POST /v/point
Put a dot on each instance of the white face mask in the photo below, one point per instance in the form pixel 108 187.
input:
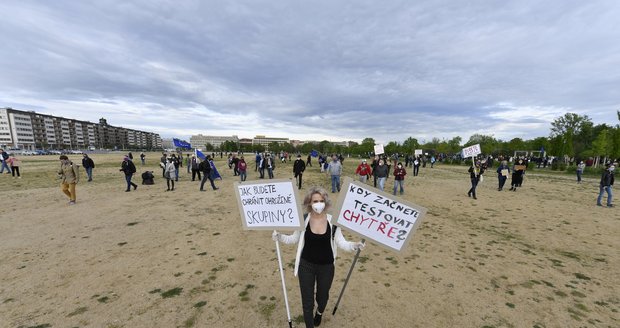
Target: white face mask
pixel 400 166
pixel 318 207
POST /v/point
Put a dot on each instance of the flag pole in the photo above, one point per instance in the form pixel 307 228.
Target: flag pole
pixel 357 255
pixel 288 311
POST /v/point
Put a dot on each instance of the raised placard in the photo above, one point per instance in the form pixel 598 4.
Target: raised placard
pixel 379 149
pixel 269 205
pixel 376 215
pixel 417 152
pixel 472 151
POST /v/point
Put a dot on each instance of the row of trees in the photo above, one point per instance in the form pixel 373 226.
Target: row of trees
pixel 572 135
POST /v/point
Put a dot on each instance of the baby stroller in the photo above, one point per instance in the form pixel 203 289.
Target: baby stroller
pixel 148 178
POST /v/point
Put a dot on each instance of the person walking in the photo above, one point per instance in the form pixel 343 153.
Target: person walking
pixel 129 169
pixel 502 174
pixel 269 164
pixel 309 160
pixel 607 181
pixel 317 247
pixel 373 165
pixel 298 169
pixel 193 163
pixel 4 156
pixel 143 158
pixel 334 169
pixel 580 167
pixel 207 173
pixel 363 171
pixel 170 173
pixel 88 164
pixel 69 178
pixel 416 166
pixel 257 160
pixel 242 167
pixel 518 171
pixel 14 163
pixel 163 160
pixel 475 171
pixel 381 173
pixel 399 178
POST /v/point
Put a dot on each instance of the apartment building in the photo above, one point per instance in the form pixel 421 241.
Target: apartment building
pixel 32 130
pixel 199 141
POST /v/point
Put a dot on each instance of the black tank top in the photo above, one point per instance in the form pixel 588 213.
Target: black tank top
pixel 317 248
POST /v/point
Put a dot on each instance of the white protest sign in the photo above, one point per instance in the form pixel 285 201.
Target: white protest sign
pixel 417 152
pixel 472 151
pixel 269 205
pixel 376 215
pixel 379 149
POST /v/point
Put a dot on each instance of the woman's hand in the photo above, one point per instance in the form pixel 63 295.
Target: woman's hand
pixel 359 246
pixel 275 236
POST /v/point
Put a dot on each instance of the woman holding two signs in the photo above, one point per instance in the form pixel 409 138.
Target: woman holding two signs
pixel 316 253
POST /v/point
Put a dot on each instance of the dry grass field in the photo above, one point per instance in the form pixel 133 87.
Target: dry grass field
pixel 544 256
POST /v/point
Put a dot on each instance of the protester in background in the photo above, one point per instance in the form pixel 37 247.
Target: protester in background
pixel 607 181
pixel 163 160
pixel 517 174
pixel 334 169
pixel 69 177
pixel 298 169
pixel 316 253
pixel 502 174
pixel 580 167
pixel 130 155
pixel 309 160
pixel 129 169
pixel 142 158
pixel 242 167
pixel 4 156
pixel 193 163
pixel 363 171
pixel 176 161
pixel 475 171
pixel 88 165
pixel 381 173
pixel 374 165
pixel 269 164
pixel 416 166
pixel 399 178
pixel 261 167
pixel 188 164
pixel 207 173
pixel 432 161
pixel 14 163
pixel 258 159
pixel 235 165
pixel 170 173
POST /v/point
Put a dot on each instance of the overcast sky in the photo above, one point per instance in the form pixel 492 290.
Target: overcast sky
pixel 314 70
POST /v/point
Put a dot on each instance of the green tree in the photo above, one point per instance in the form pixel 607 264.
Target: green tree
pixel 572 129
pixel 392 147
pixel 209 147
pixel 454 145
pixel 488 144
pixel 410 145
pixel 274 147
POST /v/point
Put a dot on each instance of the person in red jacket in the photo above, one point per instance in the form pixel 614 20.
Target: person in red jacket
pixel 399 178
pixel 363 171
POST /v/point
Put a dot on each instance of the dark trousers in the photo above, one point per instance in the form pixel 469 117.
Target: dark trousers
pixel 309 275
pixel 474 184
pixel 502 181
pixel 129 183
pixel 204 179
pixel 261 171
pixel 416 170
pixel 15 169
pixel 298 176
pixel 194 172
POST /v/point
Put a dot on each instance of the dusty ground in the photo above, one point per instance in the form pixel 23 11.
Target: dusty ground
pixel 544 256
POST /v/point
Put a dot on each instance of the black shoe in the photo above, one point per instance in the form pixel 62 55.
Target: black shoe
pixel 216 188
pixel 135 187
pixel 610 205
pixel 599 204
pixel 469 194
pixel 317 319
pixel 475 197
pixel 127 190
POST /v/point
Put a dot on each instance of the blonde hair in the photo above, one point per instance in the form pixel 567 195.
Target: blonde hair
pixel 316 190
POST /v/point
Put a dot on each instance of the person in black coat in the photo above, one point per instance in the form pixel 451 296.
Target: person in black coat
pixel 205 167
pixel 474 176
pixel 298 169
pixel 88 165
pixel 129 169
